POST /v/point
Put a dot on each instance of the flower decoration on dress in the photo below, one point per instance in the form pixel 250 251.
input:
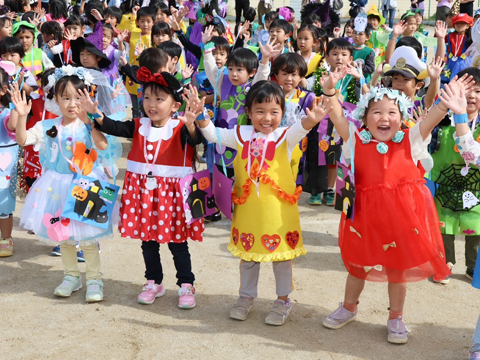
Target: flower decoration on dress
pixel 398 137
pixel 366 136
pixel 382 148
pixel 69 70
pixel 403 102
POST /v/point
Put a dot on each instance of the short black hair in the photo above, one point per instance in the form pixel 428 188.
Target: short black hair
pixel 281 24
pixel 11 45
pixel 311 29
pixel 161 28
pixel 290 62
pixel 243 57
pixel 271 16
pixel 153 59
pixel 23 28
pixel 471 71
pixel 113 11
pixel 53 28
pixel 107 26
pixel 368 29
pixel 350 24
pixel 311 18
pixel 265 91
pixel 4 20
pixel 62 84
pixel 162 7
pixel 412 42
pixel 58 9
pixel 93 5
pixel 171 49
pixel 221 43
pixel 146 12
pixel 174 88
pixel 74 20
pixel 28 15
pixel 219 28
pixel 374 16
pixel 250 14
pixel 341 44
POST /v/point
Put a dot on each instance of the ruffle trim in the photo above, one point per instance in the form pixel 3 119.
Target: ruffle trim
pixel 87 242
pixel 264 179
pixel 281 256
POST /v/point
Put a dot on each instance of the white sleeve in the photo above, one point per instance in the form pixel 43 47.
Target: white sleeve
pixel 263 72
pixel 311 83
pixel 226 135
pixel 211 70
pixel 47 63
pixel 349 144
pixel 35 135
pixel 117 54
pixel 30 80
pixel 468 147
pixel 57 49
pixel 419 148
pixel 295 133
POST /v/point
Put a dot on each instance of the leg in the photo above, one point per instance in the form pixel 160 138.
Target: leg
pixel 69 260
pixel 92 260
pixel 153 265
pixel 449 244
pixel 249 274
pixel 471 250
pixel 397 331
pixel 392 17
pixel 182 261
pixel 6 226
pixel 283 278
pixel 353 290
pixel 238 11
pixel 332 176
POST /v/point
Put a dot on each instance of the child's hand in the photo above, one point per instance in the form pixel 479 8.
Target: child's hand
pixel 194 106
pixel 187 72
pixel 95 13
pixel 336 32
pixel 174 24
pixel 295 25
pixel 37 19
pixel 135 10
pixel 453 96
pixel 139 48
pixel 440 29
pixel 435 68
pixel 182 13
pixel 121 36
pixel 22 107
pixel 379 69
pixel 333 78
pixel 268 49
pixel 207 34
pixel 69 35
pixel 118 89
pixel 51 43
pixel 85 102
pixel 123 60
pixel 419 114
pixel 399 28
pixel 467 81
pixel 243 28
pixel 320 108
pixel 353 70
pixel 383 26
pixel 11 15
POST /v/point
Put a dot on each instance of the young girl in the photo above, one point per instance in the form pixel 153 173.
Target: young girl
pixel 57 11
pixel 388 165
pixel 151 208
pixel 62 140
pixel 266 223
pixel 5 27
pixel 52 34
pixel 161 32
pixel 348 31
pixel 307 39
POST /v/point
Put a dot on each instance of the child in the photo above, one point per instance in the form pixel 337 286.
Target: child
pixel 35 60
pixel 348 31
pixel 379 38
pixel 8 176
pixel 388 165
pixel 152 202
pixel 113 15
pixel 454 217
pixel 161 32
pixel 52 34
pixel 44 203
pixel 57 11
pixel 363 55
pixel 5 27
pixel 264 34
pixel 280 33
pixel 307 39
pixel 266 223
pixel 174 52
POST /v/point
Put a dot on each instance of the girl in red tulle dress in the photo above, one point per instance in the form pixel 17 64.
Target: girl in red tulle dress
pixel 393 232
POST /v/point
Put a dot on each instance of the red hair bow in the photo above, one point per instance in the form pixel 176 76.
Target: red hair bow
pixel 144 75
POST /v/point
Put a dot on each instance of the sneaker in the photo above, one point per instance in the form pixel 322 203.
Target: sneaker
pixel 241 308
pixel 80 256
pixel 56 251
pixel 150 292
pixel 475 352
pixel 339 318
pixel 329 197
pixel 315 200
pixel 6 247
pixel 215 217
pixel 397 331
pixel 68 286
pixel 94 290
pixel 469 273
pixel 187 297
pixel 279 313
pixel 447 279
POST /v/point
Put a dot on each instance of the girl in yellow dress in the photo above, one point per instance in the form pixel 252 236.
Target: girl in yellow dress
pixel 266 223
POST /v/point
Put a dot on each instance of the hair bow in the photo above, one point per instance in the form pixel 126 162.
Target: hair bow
pixel 144 75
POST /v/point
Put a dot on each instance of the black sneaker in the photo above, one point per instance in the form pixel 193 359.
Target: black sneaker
pixel 215 217
pixel 469 274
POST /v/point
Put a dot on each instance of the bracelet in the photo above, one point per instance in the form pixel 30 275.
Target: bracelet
pixel 210 46
pixel 460 118
pixel 335 93
pixel 187 81
pixel 94 116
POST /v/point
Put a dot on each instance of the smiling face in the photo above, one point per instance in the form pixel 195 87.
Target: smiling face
pixel 158 105
pixel 288 81
pixel 338 57
pixel 26 37
pixel 265 116
pixel 145 23
pixel 473 99
pixel 66 101
pixel 374 21
pixel 88 59
pixel 383 119
pixel 305 41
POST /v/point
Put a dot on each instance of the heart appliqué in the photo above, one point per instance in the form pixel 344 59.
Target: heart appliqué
pixel 292 239
pixel 235 235
pixel 65 222
pixel 247 241
pixel 5 160
pixel 271 243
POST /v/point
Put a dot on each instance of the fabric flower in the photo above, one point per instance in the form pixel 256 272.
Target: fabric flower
pixel 68 70
pixel 88 78
pixel 468 156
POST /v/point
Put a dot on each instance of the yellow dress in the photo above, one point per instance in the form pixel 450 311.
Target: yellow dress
pixel 265 227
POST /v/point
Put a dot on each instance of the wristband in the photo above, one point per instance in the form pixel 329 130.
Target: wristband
pixel 460 119
pixel 210 46
pixel 327 95
pixel 95 116
pixel 187 81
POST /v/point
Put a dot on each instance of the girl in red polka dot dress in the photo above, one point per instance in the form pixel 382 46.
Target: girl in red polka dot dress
pixel 151 208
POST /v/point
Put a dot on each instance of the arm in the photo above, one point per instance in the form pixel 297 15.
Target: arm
pixel 211 70
pixel 46 62
pixel 434 71
pixel 18 117
pixel 398 30
pixel 440 33
pixel 188 45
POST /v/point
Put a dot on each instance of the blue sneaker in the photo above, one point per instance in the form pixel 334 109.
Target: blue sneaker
pixel 56 251
pixel 80 256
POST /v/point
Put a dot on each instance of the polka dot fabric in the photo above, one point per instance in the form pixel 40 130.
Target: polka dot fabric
pixel 155 214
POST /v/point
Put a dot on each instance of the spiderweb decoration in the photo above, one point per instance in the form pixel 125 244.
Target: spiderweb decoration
pixel 452 186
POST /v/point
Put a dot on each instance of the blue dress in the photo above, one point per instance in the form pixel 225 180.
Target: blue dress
pixel 8 166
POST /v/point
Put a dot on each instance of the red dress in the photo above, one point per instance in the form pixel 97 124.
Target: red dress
pixel 157 215
pixel 395 234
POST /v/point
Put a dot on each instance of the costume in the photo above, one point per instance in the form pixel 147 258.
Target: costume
pixel 378 245
pixel 456 57
pixel 8 166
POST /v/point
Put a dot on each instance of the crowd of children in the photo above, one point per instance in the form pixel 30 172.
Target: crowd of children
pixel 360 120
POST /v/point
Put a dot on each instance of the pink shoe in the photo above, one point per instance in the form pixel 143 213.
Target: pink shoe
pixel 187 296
pixel 150 291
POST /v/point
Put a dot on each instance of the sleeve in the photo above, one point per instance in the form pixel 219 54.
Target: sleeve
pixel 117 54
pixel 311 83
pixel 239 43
pixel 369 67
pixel 419 148
pixel 46 62
pixel 468 147
pixel 383 37
pixel 188 45
pixel 295 133
pixel 30 80
pixel 349 144
pixel 124 129
pixel 57 49
pixel 211 70
pixel 191 141
pixel 263 73
pixel 35 135
pixel 226 135
pixel 426 41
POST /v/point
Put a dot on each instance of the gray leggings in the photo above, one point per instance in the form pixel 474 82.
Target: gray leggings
pixel 250 271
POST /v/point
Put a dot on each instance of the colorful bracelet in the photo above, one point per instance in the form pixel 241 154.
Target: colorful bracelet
pixel 210 46
pixel 460 118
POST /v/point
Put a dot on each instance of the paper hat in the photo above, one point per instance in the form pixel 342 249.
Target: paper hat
pixel 405 62
pixel 26 24
pixel 360 22
pixel 373 11
pixel 286 13
pixel 462 18
pixel 94 44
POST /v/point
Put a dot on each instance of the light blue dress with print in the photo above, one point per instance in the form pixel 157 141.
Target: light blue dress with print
pixel 8 166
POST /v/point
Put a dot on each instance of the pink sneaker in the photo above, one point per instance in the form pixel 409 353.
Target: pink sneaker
pixel 187 296
pixel 150 291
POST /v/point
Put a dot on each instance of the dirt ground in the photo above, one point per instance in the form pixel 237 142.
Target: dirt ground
pixel 36 324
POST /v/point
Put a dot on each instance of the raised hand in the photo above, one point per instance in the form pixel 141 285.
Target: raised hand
pixel 379 69
pixel 194 106
pixel 123 60
pixel 174 24
pixel 187 72
pixel 453 96
pixel 440 29
pixel 135 10
pixel 11 15
pixel 353 70
pixel 334 77
pixel 419 114
pixel 69 35
pixel 207 34
pixel 243 28
pixel 182 13
pixel 37 19
pixel 268 49
pixel 122 35
pixel 336 32
pixel 435 68
pixel 96 14
pixel 467 81
pixel 85 102
pixel 22 107
pixel 51 43
pixel 320 108
pixel 139 48
pixel 399 28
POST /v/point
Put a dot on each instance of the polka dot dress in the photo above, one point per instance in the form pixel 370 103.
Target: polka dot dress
pixel 155 215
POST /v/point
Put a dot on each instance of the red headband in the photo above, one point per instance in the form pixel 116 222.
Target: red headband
pixel 144 75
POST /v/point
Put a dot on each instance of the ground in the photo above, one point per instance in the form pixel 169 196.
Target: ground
pixel 36 324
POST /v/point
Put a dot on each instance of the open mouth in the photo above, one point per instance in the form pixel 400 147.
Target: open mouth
pixel 383 129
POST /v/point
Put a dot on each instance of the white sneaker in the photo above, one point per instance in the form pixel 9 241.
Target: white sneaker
pixel 68 285
pixel 94 290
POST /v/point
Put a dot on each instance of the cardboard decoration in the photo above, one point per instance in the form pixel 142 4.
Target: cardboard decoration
pixel 222 190
pixel 345 191
pixel 197 196
pixel 90 201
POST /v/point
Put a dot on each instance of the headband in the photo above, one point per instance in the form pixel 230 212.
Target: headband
pixel 69 70
pixel 403 102
pixel 145 76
